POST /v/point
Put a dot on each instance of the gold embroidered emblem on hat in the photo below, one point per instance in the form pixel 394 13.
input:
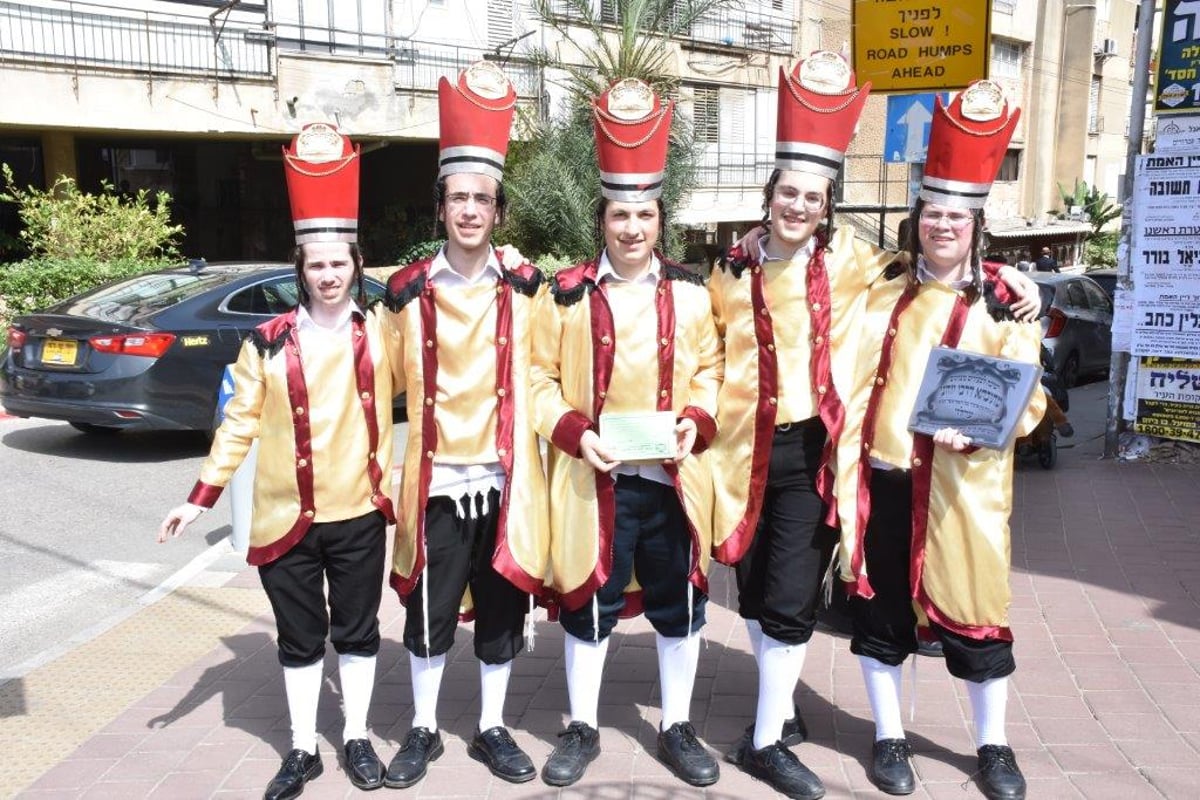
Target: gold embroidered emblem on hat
pixel 629 100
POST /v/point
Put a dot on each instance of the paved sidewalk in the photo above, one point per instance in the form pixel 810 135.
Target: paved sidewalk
pixel 185 698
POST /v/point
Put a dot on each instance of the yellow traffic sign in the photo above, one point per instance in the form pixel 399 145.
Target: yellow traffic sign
pixel 921 45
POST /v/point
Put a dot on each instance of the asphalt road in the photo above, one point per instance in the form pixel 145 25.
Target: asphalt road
pixel 77 532
pixel 78 526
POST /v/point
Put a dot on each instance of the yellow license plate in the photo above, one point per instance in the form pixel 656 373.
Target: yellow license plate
pixel 60 352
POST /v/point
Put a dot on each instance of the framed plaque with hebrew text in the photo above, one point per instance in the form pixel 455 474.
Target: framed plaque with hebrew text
pixel 981 396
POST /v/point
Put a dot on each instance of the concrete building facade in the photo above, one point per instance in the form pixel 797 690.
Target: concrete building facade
pixel 197 96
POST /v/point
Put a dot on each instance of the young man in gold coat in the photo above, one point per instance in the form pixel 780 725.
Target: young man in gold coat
pixel 314 386
pixel 925 537
pixel 472 534
pixel 628 333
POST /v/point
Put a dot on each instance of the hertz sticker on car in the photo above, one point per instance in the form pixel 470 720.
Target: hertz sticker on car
pixel 194 341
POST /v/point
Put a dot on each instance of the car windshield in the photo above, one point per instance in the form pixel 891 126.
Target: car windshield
pixel 128 299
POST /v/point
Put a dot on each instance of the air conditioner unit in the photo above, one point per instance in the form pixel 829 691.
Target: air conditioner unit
pixel 1108 47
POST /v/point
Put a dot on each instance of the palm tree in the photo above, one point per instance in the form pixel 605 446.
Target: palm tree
pixel 552 176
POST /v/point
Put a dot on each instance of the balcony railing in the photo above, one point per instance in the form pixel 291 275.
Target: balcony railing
pixel 419 66
pixel 717 167
pixel 101 37
pixel 744 26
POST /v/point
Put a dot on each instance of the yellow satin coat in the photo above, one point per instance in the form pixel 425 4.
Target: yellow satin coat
pixel 261 408
pixel 967 547
pixel 852 264
pixel 563 385
pixel 464 408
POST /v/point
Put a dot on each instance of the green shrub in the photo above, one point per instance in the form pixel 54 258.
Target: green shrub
pixel 35 283
pixel 63 222
pixel 1100 252
pixel 418 250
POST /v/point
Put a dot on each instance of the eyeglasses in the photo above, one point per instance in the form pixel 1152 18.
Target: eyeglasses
pixel 459 199
pixel 955 219
pixel 813 201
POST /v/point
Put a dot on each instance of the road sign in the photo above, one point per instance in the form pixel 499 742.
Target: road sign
pixel 919 45
pixel 908 118
pixel 1178 85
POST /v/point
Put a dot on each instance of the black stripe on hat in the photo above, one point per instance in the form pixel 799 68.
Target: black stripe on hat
pixel 472 160
pixel 784 155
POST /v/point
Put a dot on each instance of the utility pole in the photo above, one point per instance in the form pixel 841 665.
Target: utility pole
pixel 1118 367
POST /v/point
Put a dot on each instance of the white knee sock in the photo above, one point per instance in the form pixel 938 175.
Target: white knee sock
pixel 303 687
pixel 493 687
pixel 754 629
pixel 989 702
pixel 779 668
pixel 585 671
pixel 883 690
pixel 677 660
pixel 357 675
pixel 426 683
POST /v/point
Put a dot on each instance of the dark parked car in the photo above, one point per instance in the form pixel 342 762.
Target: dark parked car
pixel 1077 331
pixel 143 353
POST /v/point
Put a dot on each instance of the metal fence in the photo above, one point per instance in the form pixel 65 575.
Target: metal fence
pixel 82 34
pixel 717 167
pixel 419 66
pixel 744 26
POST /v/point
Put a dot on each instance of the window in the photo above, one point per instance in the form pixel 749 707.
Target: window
pixel 1097 298
pixel 1076 298
pixel 706 113
pixel 1095 124
pixel 1010 167
pixel 269 297
pixel 1007 58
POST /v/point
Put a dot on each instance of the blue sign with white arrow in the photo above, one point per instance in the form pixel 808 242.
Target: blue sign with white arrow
pixel 908 118
pixel 225 390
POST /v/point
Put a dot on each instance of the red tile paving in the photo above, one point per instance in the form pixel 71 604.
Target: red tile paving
pixel 1105 702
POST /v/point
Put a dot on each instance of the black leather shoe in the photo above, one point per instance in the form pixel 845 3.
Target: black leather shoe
pixel 578 746
pixel 999 776
pixel 297 769
pixel 503 757
pixel 794 733
pixel 412 760
pixel 362 765
pixel 680 750
pixel 779 768
pixel 890 769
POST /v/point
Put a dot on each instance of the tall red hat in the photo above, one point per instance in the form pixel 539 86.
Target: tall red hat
pixel 819 106
pixel 476 116
pixel 633 126
pixel 322 168
pixel 967 142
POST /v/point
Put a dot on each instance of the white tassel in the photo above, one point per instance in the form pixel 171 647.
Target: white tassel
pixel 912 700
pixel 530 628
pixel 691 588
pixel 827 582
pixel 483 503
pixel 425 604
pixel 595 619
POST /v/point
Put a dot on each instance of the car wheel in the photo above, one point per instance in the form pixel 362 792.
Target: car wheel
pixel 1069 375
pixel 95 430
